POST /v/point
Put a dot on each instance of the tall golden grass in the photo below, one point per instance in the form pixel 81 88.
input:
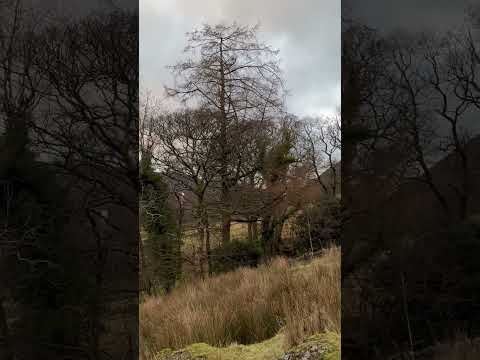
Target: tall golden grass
pixel 246 306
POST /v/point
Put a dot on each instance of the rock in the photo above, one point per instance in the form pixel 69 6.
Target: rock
pixel 306 355
pixel 317 347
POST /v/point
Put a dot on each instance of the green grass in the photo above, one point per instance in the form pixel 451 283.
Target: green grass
pixel 270 349
pixel 267 350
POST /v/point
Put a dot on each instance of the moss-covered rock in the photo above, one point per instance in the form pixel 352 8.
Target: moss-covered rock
pixel 318 347
pixel 267 350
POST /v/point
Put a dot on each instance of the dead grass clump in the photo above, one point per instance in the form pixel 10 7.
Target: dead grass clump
pixel 315 305
pixel 246 306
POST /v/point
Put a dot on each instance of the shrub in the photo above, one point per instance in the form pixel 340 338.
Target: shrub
pixel 321 223
pixel 441 277
pixel 160 260
pixel 235 254
pixel 461 348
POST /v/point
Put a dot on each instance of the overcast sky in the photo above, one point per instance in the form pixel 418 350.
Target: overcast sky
pixel 307 33
pixel 414 15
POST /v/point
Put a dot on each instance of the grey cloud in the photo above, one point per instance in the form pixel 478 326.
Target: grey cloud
pixel 77 8
pixel 409 14
pixel 414 16
pixel 306 32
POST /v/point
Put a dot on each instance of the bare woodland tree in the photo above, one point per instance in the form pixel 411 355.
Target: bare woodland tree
pixel 68 102
pixel 80 63
pixel 186 154
pixel 20 92
pixel 239 79
pixel 87 127
pixel 321 142
pixel 410 140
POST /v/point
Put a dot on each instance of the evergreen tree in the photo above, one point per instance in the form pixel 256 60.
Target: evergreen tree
pixel 160 247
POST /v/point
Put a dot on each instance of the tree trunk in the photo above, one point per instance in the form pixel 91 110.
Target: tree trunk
pixel 141 253
pixel 7 347
pixel 309 232
pixel 252 225
pixel 250 230
pixel 226 225
pixel 267 236
pixel 278 229
pixel 226 216
pixel 181 215
pixel 178 245
pixel 206 224
pixel 96 297
pixel 201 239
pixel 95 319
pixel 97 301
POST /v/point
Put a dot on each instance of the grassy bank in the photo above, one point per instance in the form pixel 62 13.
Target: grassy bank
pixel 247 306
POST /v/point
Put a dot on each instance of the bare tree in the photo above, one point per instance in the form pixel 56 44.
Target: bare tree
pixel 20 93
pixel 430 91
pixel 21 85
pixel 83 130
pixel 453 77
pixel 186 154
pixel 321 142
pixel 93 100
pixel 239 79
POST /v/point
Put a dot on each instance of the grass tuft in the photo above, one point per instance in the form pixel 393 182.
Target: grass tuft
pixel 246 306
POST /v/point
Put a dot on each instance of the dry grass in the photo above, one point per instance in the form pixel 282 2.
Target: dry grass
pixel 315 303
pixel 461 348
pixel 246 306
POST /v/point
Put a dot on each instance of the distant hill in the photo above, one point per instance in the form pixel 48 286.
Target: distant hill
pixel 385 209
